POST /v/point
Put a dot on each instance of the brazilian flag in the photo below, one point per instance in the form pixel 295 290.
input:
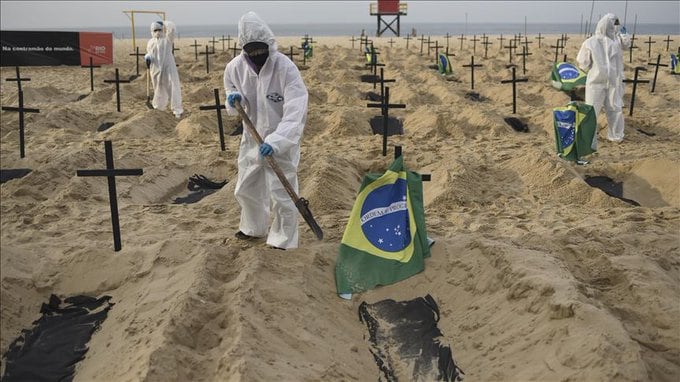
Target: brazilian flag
pixel 566 76
pixel 385 239
pixel 675 68
pixel 443 64
pixel 307 49
pixel 369 55
pixel 575 127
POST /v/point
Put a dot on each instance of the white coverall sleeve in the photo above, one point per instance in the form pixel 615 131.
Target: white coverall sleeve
pixel 170 31
pixel 230 88
pixel 289 131
pixel 625 40
pixel 583 58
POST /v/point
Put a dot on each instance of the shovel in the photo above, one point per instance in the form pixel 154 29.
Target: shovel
pixel 301 203
pixel 148 87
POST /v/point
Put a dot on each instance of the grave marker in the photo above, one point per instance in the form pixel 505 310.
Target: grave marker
pixel 630 50
pixel 385 106
pixel 21 110
pixel 539 38
pixel 195 45
pixel 408 37
pixel 174 50
pixel 448 36
pixel 486 44
pixel 391 42
pixel 635 81
pixel 117 81
pixel 234 50
pixel 207 54
pixel 291 54
pixel 111 173
pixel 18 79
pixel 668 42
pixel 137 54
pixel 501 42
pixel 514 81
pixel 510 48
pixel 656 70
pixel 422 40
pixel 353 39
pixel 557 48
pixel 218 106
pixel 472 67
pixel 461 38
pixel 212 42
pixel 91 66
pixel 649 46
pixel 474 40
pixel 228 40
pixel 524 55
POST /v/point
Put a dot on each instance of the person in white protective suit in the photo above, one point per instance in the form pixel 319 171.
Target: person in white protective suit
pixel 161 64
pixel 270 89
pixel 602 57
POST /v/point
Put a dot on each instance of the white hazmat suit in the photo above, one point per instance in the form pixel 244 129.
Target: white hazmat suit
pixel 275 100
pixel 602 57
pixel 164 75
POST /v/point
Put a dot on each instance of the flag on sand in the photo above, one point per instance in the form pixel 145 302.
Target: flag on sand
pixel 566 76
pixel 575 127
pixel 385 239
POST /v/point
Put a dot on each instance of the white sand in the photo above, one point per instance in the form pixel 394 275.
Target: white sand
pixel 538 275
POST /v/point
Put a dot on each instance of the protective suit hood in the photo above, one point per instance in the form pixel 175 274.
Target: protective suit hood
pixel 606 27
pixel 252 28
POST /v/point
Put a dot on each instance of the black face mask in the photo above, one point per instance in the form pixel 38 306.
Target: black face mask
pixel 258 52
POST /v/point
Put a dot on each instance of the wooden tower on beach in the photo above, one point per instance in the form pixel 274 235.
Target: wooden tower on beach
pixel 389 8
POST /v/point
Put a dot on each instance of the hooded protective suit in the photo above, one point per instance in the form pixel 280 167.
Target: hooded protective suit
pixel 602 57
pixel 276 102
pixel 164 75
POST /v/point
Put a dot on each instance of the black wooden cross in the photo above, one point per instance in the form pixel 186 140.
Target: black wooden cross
pixel 212 42
pixel 111 173
pixel 486 44
pixel 308 39
pixel 385 106
pixel 382 83
pixel 207 60
pixel 422 40
pixel 21 110
pixel 635 81
pixel 234 50
pixel 514 81
pixel 472 67
pixel 668 42
pixel 649 46
pixel 195 45
pixel 137 55
pixel 461 38
pixel 429 45
pixel 391 42
pixel 117 81
pixel 18 79
pixel 474 44
pixel 656 70
pixel 501 42
pixel 632 46
pixel 436 52
pixel 91 66
pixel 353 39
pixel 557 48
pixel 448 37
pixel 510 48
pixel 564 39
pixel 408 37
pixel 364 42
pixel 539 38
pixel 304 56
pixel 174 49
pixel 524 54
pixel 527 42
pixel 228 40
pixel 374 64
pixel 291 54
pixel 218 106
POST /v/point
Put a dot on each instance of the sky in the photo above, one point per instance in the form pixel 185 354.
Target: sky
pixel 74 14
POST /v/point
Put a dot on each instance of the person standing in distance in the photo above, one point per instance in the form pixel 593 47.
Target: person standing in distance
pixel 271 91
pixel 602 57
pixel 161 64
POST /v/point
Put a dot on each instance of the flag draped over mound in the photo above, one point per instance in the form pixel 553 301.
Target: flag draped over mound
pixel 385 239
pixel 443 64
pixel 575 127
pixel 566 76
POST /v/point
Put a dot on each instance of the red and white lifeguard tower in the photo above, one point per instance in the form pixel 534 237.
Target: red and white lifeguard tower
pixel 392 8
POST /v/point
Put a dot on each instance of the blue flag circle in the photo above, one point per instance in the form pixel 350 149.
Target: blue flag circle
pixel 385 217
pixel 568 71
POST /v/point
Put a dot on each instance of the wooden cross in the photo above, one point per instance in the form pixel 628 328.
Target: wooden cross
pixel 514 81
pixel 668 42
pixel 195 45
pixel 564 39
pixel 527 42
pixel 408 37
pixel 304 56
pixel 91 66
pixel 385 106
pixel 207 53
pixel 448 36
pixel 656 70
pixel 218 106
pixel 234 50
pixel 382 83
pixel 539 38
pixel 461 38
pixel 649 46
pixel 308 39
pixel 364 42
pixel 635 81
pixel 21 110
pixel 111 173
pixel 18 79
pixel 137 55
pixel 557 48
pixel 632 46
pixel 429 45
pixel 174 49
pixel 374 64
pixel 291 54
pixel 501 42
pixel 524 55
pixel 486 44
pixel 228 40
pixel 422 40
pixel 353 39
pixel 391 42
pixel 474 43
pixel 436 51
pixel 213 42
pixel 510 48
pixel 397 154
pixel 472 67
pixel 117 81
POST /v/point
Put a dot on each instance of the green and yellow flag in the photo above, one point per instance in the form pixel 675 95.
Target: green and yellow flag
pixel 385 240
pixel 565 76
pixel 575 127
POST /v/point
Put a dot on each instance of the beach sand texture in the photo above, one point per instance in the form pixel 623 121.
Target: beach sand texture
pixel 538 275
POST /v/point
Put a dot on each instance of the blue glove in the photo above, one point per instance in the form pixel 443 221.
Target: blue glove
pixel 147 59
pixel 266 149
pixel 232 98
pixel 623 30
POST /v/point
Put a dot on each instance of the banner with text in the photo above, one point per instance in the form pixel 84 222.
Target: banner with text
pixel 32 48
